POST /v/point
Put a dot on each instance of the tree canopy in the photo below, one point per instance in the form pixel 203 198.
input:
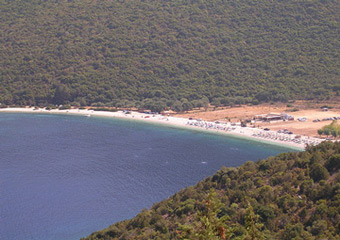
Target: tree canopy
pixel 330 129
pixel 119 53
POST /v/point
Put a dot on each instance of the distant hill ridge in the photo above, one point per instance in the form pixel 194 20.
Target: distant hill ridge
pixel 158 54
pixel 290 196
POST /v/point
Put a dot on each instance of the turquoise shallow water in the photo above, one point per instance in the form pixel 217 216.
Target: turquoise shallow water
pixel 63 177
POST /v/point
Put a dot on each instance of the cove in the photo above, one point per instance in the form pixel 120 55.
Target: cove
pixel 64 177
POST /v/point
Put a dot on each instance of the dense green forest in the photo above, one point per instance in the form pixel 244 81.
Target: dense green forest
pixel 290 196
pixel 159 54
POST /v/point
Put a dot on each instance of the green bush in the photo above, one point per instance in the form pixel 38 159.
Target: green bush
pixel 318 172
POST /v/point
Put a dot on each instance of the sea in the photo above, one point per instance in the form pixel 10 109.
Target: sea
pixel 63 177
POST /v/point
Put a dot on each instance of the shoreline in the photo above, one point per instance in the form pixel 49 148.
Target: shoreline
pixel 253 134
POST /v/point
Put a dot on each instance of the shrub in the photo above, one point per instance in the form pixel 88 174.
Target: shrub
pixel 318 172
pixel 333 163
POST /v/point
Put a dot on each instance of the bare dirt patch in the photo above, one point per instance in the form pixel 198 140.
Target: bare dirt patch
pixel 311 111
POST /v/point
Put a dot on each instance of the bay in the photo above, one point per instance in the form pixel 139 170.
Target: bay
pixel 63 177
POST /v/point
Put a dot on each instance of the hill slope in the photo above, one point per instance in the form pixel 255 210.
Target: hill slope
pixel 123 52
pixel 290 196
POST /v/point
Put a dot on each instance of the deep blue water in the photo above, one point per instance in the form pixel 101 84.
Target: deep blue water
pixel 63 177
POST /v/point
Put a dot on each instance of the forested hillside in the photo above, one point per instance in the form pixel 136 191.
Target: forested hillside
pixel 168 53
pixel 290 196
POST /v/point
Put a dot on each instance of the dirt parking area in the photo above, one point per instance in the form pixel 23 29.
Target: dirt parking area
pixel 309 110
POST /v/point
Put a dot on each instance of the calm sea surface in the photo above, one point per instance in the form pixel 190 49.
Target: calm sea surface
pixel 63 177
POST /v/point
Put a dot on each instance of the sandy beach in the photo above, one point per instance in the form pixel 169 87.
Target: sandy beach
pixel 312 111
pixel 297 142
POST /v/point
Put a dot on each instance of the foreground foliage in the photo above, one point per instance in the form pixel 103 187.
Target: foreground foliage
pixel 158 54
pixel 290 196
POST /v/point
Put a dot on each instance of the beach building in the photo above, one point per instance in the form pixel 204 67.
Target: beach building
pixel 268 117
pixel 260 117
pixel 273 117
